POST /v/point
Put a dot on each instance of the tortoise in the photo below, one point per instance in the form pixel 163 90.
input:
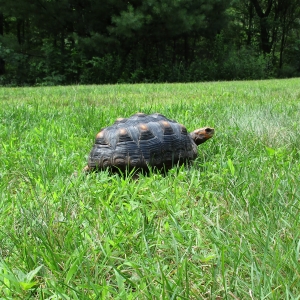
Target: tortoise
pixel 145 140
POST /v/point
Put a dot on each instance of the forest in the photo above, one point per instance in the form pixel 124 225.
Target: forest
pixel 60 42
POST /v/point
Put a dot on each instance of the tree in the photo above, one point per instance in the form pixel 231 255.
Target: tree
pixel 271 24
pixel 267 26
pixel 288 12
pixel 175 25
pixel 91 41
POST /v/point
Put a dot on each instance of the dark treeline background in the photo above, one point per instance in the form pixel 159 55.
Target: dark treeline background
pixel 45 42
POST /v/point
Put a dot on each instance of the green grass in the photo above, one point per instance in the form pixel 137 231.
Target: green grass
pixel 226 228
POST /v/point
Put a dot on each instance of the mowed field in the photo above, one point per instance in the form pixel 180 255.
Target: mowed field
pixel 227 227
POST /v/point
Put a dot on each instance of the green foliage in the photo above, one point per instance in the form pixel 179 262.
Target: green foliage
pixel 244 64
pixel 292 69
pixel 57 43
pixel 106 69
pixel 15 65
pixel 15 283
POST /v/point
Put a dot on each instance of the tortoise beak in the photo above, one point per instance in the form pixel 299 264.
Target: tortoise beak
pixel 201 135
pixel 209 132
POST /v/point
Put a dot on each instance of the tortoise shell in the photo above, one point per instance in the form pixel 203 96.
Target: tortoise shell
pixel 145 140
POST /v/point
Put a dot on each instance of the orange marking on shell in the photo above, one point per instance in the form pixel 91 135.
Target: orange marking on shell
pixel 143 126
pixel 165 124
pixel 120 119
pixel 123 131
pixel 100 135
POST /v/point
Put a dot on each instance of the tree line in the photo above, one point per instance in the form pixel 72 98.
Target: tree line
pixel 48 42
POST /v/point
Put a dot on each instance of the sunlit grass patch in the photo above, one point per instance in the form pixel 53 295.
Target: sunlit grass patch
pixel 225 227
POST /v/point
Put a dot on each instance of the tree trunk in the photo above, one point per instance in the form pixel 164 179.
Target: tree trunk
pixel 266 43
pixel 2 62
pixel 174 52
pixel 285 10
pixel 20 31
pixel 251 15
pixel 282 44
pixel 186 50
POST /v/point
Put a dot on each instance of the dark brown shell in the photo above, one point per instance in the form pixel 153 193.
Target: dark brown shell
pixel 141 141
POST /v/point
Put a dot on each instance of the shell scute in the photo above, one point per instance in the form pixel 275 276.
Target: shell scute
pixel 123 136
pixel 167 128
pixel 145 133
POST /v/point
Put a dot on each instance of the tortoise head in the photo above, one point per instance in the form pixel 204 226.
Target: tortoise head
pixel 201 135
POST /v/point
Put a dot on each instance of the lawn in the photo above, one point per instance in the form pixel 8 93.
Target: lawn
pixel 226 228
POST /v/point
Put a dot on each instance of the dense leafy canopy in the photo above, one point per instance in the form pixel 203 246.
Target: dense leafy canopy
pixel 109 41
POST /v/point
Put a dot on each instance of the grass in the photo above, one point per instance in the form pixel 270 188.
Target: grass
pixel 226 228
